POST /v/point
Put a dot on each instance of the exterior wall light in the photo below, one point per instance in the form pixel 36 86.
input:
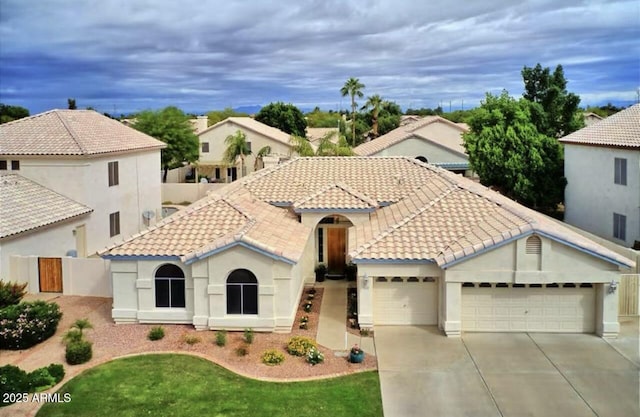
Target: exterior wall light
pixel 365 281
pixel 613 286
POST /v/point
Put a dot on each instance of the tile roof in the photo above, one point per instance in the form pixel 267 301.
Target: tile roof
pixel 620 130
pixel 316 133
pixel 335 197
pixel 217 222
pixel 408 131
pixel 26 205
pixel 256 126
pixel 71 132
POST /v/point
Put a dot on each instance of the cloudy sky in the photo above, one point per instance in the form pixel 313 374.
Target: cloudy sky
pixel 120 56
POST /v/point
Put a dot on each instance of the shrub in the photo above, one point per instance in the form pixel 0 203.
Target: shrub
pixel 304 325
pixel 311 291
pixel 11 293
pixel 15 380
pixel 191 339
pixel 156 333
pixel 272 357
pixel 73 335
pixel 26 324
pixel 307 306
pixel 56 370
pixel 248 335
pixel 242 350
pixel 221 338
pixel 78 352
pixel 40 379
pixel 81 325
pixel 314 356
pixel 300 345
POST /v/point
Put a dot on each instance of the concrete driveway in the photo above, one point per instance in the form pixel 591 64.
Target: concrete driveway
pixel 423 373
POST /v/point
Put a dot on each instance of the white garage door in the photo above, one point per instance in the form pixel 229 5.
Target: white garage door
pixel 403 301
pixel 553 308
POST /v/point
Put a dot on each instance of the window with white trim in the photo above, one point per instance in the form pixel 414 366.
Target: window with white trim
pixel 114 224
pixel 619 226
pixel 205 147
pixel 114 178
pixel 169 283
pixel 620 171
pixel 242 292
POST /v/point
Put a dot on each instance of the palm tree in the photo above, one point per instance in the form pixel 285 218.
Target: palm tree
pixel 327 148
pixel 237 146
pixel 264 151
pixel 82 324
pixel 301 146
pixel 353 87
pixel 374 103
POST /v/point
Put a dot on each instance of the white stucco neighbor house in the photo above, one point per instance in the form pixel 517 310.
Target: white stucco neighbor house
pixel 91 163
pixel 431 248
pixel 602 167
pixel 431 139
pixel 212 147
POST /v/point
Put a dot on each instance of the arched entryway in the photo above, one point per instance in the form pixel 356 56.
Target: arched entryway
pixel 331 243
pixel 242 292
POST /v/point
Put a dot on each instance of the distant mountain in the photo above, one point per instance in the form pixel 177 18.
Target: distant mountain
pixel 248 109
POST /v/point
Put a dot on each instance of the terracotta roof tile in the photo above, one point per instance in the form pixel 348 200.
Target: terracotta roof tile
pixel 621 129
pixel 256 126
pixel 336 197
pixel 25 206
pixel 71 132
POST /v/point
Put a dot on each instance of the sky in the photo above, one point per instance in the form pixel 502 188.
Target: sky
pixel 122 56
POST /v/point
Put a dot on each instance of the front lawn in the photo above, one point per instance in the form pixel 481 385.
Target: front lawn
pixel 181 385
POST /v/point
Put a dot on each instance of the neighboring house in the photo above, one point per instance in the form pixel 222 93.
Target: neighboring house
pixel 37 220
pixel 431 248
pixel 431 139
pixel 591 118
pixel 212 147
pixel 94 161
pixel 602 167
pixel 200 124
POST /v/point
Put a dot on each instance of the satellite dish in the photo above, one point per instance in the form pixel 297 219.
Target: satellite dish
pixel 148 214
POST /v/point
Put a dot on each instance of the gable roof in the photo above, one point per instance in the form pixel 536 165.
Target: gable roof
pixel 408 131
pixel 26 205
pixel 71 132
pixel 215 223
pixel 335 197
pixel 255 126
pixel 618 130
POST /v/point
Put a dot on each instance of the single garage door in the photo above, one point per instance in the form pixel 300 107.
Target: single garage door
pixel 566 308
pixel 405 300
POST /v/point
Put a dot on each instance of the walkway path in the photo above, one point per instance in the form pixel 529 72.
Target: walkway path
pixel 332 331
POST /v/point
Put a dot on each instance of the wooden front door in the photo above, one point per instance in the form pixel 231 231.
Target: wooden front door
pixel 50 270
pixel 336 249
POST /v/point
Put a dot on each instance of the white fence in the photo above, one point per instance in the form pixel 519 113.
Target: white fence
pixel 177 175
pixel 80 276
pixel 179 193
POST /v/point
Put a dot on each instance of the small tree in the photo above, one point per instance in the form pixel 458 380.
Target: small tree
pixel 237 147
pixel 71 103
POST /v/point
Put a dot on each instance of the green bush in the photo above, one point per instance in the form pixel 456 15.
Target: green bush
pixel 248 335
pixel 78 352
pixel 300 345
pixel 272 357
pixel 156 333
pixel 307 306
pixel 41 378
pixel 56 370
pixel 15 380
pixel 242 350
pixel 221 338
pixel 11 293
pixel 26 324
pixel 314 356
pixel 72 335
pixel 191 339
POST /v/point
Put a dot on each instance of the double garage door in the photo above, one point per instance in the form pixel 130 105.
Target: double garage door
pixel 568 308
pixel 405 300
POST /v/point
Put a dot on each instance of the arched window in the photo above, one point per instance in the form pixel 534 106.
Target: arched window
pixel 170 286
pixel 422 159
pixel 533 246
pixel 242 292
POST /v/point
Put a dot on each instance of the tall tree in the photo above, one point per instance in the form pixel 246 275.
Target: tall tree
pixel 237 147
pixel 285 117
pixel 509 153
pixel 71 103
pixel 557 113
pixel 353 88
pixel 374 103
pixel 171 126
pixel 9 113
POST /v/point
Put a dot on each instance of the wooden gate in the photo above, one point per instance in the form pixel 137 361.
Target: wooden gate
pixel 336 249
pixel 50 272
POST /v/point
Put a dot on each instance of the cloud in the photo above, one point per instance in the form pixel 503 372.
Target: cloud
pixel 205 55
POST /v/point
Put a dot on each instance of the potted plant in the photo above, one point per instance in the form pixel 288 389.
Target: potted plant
pixel 321 272
pixel 351 270
pixel 356 355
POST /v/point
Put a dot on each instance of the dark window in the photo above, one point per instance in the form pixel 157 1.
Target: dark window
pixel 620 171
pixel 3 165
pixel 413 279
pixel 381 279
pixel 554 285
pixel 113 174
pixel 205 147
pixel 169 280
pixel 242 292
pixel 232 174
pixel 586 285
pixel 429 279
pixel 468 284
pixel 502 285
pixel 15 165
pixel 114 224
pixel 619 226
pixel 518 285
pixel 569 285
pixel 328 220
pixel 320 244
pixel 485 285
pixel 217 173
pixel 422 159
pixel 535 285
pixel 396 279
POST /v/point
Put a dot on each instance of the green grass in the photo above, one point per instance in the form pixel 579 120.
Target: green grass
pixel 181 385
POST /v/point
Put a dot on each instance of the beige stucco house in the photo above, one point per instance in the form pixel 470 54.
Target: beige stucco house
pixel 602 167
pixel 212 147
pixel 431 248
pixel 431 139
pixel 89 161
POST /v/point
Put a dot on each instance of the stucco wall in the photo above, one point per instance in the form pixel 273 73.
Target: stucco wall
pixel 86 180
pixel 178 193
pixel 415 147
pixel 591 197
